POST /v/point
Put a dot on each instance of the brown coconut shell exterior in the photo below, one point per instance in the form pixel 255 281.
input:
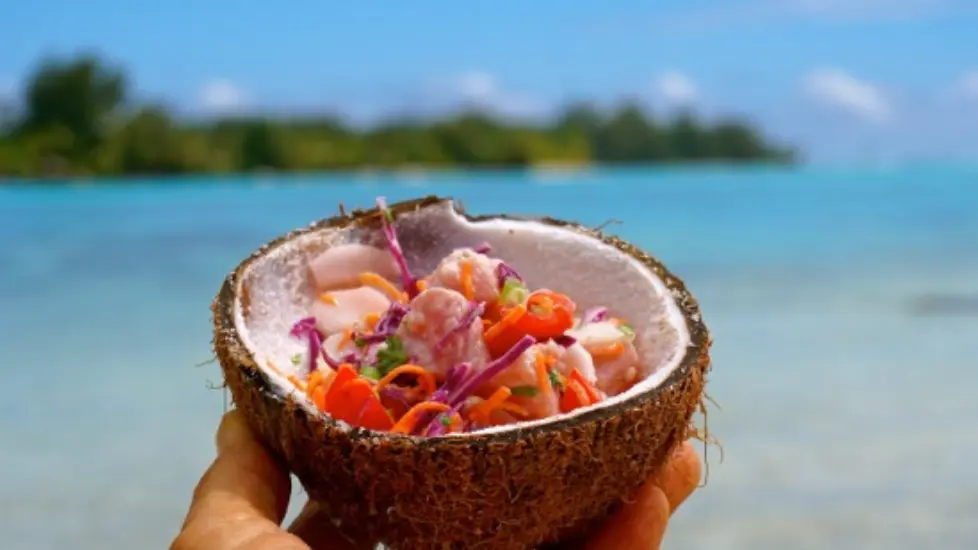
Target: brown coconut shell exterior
pixel 512 490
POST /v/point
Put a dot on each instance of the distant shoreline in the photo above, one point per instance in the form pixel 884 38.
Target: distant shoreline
pixel 79 119
pixel 61 169
pixel 403 174
pixel 477 172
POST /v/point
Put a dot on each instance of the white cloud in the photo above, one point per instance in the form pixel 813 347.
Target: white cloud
pixel 676 87
pixel 482 89
pixel 477 86
pixel 836 88
pixel 222 96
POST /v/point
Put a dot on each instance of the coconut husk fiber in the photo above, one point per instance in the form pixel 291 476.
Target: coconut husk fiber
pixel 513 488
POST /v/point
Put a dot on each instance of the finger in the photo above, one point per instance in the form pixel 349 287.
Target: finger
pixel 244 473
pixel 242 497
pixel 639 524
pixel 680 475
pixel 316 529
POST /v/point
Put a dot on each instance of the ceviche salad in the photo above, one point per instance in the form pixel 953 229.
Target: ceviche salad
pixel 465 347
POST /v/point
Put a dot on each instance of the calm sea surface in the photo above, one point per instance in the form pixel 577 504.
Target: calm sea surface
pixel 848 407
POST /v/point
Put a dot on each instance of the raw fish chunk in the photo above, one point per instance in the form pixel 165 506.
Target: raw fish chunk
pixel 616 362
pixel 341 265
pixel 343 309
pixel 448 274
pixel 428 337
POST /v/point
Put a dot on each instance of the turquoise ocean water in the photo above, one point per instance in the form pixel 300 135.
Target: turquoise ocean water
pixel 848 410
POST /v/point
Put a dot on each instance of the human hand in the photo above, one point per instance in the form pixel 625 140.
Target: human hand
pixel 241 500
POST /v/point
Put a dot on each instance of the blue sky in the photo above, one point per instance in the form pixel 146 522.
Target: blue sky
pixel 847 80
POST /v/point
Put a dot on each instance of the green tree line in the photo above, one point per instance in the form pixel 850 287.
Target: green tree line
pixel 76 116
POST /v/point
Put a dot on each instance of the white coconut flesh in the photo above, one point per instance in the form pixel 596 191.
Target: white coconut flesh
pixel 592 273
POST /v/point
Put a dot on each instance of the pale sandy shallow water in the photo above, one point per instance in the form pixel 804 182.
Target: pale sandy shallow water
pixel 847 422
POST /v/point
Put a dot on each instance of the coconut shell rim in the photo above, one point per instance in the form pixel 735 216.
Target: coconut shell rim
pixel 226 332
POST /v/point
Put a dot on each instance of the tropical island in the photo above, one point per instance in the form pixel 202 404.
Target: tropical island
pixel 76 117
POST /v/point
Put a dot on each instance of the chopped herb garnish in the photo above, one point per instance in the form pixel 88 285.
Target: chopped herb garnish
pixel 380 386
pixel 513 293
pixel 392 356
pixel 371 372
pixel 554 378
pixel 525 391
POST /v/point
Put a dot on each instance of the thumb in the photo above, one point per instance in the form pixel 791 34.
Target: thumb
pixel 640 524
pixel 242 497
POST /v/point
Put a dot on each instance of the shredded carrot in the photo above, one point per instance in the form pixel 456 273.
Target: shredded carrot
pixel 272 366
pixel 421 285
pixel 328 379
pixel 592 392
pixel 346 339
pixel 297 383
pixel 512 317
pixel 483 411
pixel 543 379
pixel 410 419
pixel 498 396
pixel 382 284
pixel 319 397
pixel 513 408
pixel 315 380
pixel 608 352
pixel 465 279
pixel 456 425
pixel 486 323
pixel 425 378
pixel 327 298
pixel 371 319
